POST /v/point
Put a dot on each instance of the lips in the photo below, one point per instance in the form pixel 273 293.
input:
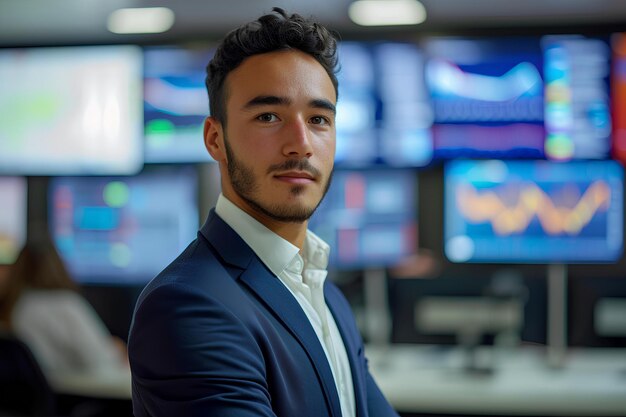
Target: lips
pixel 298 177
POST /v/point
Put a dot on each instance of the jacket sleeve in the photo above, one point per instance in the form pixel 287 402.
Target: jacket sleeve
pixel 190 356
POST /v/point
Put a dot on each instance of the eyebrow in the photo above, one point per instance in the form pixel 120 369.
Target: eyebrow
pixel 276 100
pixel 266 100
pixel 323 104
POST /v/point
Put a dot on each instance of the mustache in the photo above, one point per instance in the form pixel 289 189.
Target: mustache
pixel 297 165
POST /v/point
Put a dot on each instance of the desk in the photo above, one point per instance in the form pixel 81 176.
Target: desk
pixel 430 379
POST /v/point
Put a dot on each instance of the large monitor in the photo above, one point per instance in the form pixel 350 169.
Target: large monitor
pixel 12 217
pixel 487 97
pixel 369 217
pixel 533 211
pixel 383 112
pixel 175 103
pixel 123 230
pixel 71 111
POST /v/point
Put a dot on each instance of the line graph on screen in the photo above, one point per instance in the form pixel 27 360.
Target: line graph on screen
pixel 533 211
pixel 489 206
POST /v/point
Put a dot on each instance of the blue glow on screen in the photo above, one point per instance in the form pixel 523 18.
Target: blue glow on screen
pixel 175 104
pixel 487 97
pixel 123 229
pixel 383 113
pixel 369 217
pixel 533 211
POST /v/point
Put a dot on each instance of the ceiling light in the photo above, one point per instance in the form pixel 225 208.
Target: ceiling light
pixel 387 12
pixel 141 20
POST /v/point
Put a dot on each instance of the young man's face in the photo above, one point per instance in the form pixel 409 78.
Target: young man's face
pixel 279 140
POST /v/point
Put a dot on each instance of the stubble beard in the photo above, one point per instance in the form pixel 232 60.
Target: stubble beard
pixel 245 185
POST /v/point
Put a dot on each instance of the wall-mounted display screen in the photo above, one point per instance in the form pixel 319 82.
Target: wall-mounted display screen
pixel 71 110
pixel 175 104
pixel 123 229
pixel 487 97
pixel 533 211
pixel 369 217
pixel 12 217
pixel 383 113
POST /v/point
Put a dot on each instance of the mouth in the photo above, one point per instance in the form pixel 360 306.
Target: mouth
pixel 295 177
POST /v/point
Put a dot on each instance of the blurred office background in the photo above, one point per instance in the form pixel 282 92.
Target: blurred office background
pixel 477 210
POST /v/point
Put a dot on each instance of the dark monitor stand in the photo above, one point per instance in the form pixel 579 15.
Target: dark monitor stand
pixel 557 315
pixel 377 311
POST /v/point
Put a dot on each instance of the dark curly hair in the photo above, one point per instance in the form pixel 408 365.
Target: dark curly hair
pixel 272 32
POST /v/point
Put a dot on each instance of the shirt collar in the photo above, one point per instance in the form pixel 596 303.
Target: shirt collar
pixel 274 251
pixel 316 252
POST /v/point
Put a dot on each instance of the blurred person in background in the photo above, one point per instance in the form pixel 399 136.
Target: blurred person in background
pixel 42 306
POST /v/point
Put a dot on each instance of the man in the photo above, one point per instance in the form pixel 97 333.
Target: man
pixel 243 322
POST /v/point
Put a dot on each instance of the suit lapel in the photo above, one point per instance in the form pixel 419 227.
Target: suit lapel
pixel 275 296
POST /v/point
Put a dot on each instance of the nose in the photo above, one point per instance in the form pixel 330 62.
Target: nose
pixel 297 139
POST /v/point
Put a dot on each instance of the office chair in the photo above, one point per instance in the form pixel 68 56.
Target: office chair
pixel 23 386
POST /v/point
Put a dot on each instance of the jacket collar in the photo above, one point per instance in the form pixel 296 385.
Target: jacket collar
pixel 274 295
pixel 226 242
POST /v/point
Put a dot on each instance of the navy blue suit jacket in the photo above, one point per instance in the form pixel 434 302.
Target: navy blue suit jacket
pixel 217 334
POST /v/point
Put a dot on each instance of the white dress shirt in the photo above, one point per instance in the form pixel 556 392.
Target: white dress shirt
pixel 304 277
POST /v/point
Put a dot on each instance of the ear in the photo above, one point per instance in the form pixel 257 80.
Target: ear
pixel 214 139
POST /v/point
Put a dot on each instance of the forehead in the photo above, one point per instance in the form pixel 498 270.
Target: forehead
pixel 289 73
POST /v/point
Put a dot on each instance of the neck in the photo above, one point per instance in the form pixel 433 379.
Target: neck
pixel 292 232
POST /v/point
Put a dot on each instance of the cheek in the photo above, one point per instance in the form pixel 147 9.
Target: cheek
pixel 248 147
pixel 326 152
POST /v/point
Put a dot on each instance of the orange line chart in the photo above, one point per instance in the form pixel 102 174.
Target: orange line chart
pixel 509 218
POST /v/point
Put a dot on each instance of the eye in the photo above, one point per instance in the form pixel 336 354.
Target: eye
pixel 320 120
pixel 267 117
